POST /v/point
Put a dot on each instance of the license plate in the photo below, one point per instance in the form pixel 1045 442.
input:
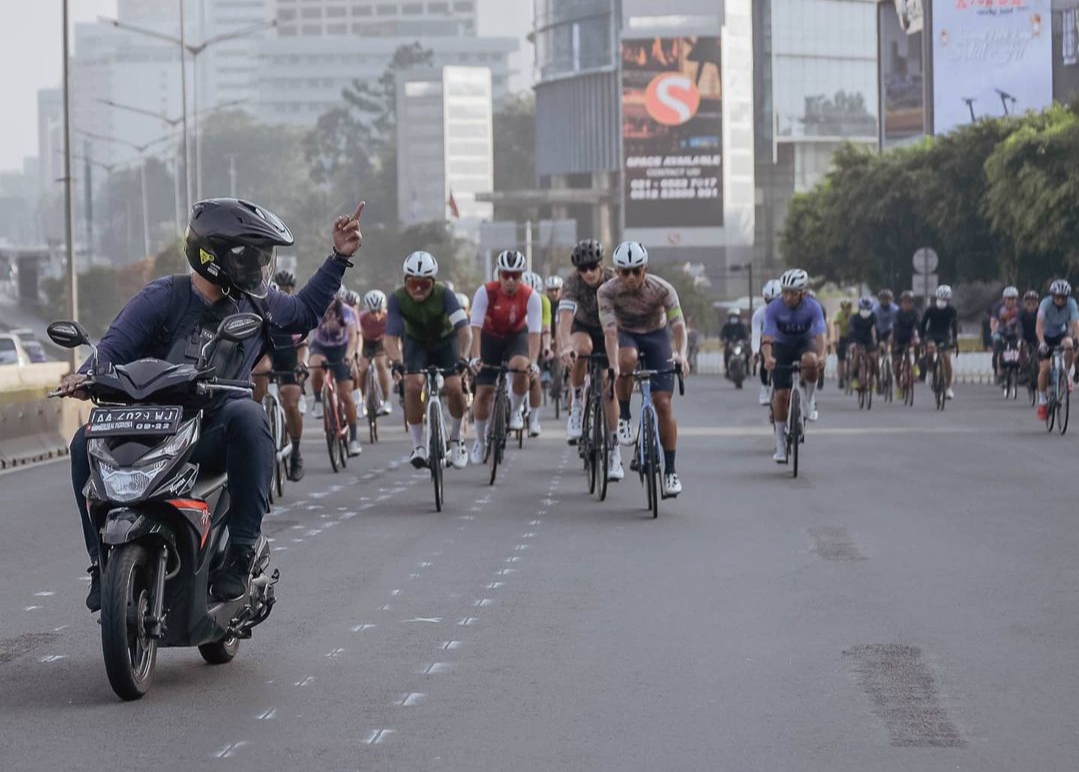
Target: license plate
pixel 133 421
pixel 1011 355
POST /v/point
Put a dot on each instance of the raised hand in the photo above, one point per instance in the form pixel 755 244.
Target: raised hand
pixel 347 237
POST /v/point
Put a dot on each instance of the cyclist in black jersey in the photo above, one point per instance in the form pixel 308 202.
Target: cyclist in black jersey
pixel 940 329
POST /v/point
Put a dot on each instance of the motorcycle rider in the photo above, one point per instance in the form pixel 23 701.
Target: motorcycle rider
pixel 733 332
pixel 230 245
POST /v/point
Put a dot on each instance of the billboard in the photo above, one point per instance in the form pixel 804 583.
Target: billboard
pixel 902 74
pixel 990 57
pixel 672 132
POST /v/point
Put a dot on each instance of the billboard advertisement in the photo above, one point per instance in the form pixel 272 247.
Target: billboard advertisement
pixel 672 132
pixel 990 57
pixel 902 75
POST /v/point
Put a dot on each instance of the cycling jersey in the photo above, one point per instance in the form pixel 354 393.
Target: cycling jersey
pixel 886 316
pixel 545 312
pixel 638 311
pixel 940 324
pixel 333 330
pixel 756 326
pixel 906 322
pixel 1028 326
pixel 842 321
pixel 861 329
pixel 428 321
pixel 1056 321
pixel 372 328
pixel 580 299
pixel 503 315
pixel 793 326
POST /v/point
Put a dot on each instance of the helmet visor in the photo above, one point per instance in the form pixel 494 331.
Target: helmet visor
pixel 249 268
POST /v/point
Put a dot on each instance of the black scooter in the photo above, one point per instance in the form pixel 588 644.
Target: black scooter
pixel 160 523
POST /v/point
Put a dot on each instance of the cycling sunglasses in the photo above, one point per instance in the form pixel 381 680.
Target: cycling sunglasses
pixel 418 283
pixel 630 271
pixel 588 268
pixel 507 275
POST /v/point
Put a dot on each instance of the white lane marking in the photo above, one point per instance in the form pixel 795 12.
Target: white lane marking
pixel 314 507
pixel 505 571
pixel 472 509
pixel 495 585
pixel 549 502
pixel 436 554
pixel 411 699
pixel 384 608
pixel 298 527
pixel 361 628
pixel 52 658
pixel 395 592
pixel 426 565
pixel 297 541
pixel 313 532
pixel 305 682
pixel 536 522
pixel 348 515
pixel 31 608
pixel 279 549
pixel 319 495
pixel 414 576
pixel 44 594
pixel 468 621
pixel 377 736
pixel 513 559
pixel 335 653
pixel 267 715
pixel 450 645
pixel 229 749
pixel 528 535
pixel 437 667
pixel 58 629
pixel 432 620
pixel 520 547
pixel 482 602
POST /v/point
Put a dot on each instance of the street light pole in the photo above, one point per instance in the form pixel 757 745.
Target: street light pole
pixel 183 102
pixel 72 274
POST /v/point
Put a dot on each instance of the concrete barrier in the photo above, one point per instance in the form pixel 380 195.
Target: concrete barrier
pixel 33 427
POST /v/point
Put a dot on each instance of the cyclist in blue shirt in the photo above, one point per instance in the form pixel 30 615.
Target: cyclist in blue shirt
pixel 886 311
pixel 1058 325
pixel 794 329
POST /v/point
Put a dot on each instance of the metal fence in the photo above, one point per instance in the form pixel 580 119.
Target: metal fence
pixel 976 367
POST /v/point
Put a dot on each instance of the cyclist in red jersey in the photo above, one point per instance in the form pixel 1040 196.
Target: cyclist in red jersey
pixel 509 317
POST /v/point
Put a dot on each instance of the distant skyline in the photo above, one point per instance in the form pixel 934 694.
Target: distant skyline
pixel 30 54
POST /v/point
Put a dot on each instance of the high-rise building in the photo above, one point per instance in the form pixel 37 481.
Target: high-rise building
pixel 445 146
pixel 386 18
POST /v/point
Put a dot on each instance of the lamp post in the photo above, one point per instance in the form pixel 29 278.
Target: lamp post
pixel 69 246
pixel 141 150
pixel 194 50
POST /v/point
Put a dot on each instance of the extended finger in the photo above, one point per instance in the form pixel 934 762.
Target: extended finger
pixel 359 211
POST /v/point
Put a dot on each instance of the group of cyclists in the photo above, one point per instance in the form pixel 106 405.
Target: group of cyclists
pixel 533 328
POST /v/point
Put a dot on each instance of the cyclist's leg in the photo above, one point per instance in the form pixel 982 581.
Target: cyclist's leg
pixel 947 354
pixel 445 358
pixel 362 374
pixel 782 380
pixel 655 348
pixel 623 388
pixel 262 382
pixel 318 375
pixel 290 401
pixel 383 370
pixel 417 358
pixel 491 355
pixel 1069 352
pixel 515 353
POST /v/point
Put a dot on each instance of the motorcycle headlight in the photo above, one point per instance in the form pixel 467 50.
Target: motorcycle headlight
pixel 124 485
pixel 175 445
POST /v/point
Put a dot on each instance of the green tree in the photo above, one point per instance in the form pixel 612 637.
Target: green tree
pixel 515 151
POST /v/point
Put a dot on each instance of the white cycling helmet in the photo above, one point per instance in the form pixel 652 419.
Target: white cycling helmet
pixel 944 292
pixel 533 280
pixel 1060 287
pixel 1010 292
pixel 630 254
pixel 422 265
pixel 375 300
pixel 463 300
pixel 771 290
pixel 554 282
pixel 794 279
pixel 511 260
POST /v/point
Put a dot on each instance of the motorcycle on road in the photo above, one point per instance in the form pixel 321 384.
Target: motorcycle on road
pixel 162 526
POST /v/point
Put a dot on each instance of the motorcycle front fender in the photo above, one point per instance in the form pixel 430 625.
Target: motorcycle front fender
pixel 127 525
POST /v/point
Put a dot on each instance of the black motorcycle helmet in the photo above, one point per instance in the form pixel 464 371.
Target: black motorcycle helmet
pixel 587 252
pixel 232 243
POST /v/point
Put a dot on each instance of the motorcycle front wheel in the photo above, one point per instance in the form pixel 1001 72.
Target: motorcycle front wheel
pixel 126 600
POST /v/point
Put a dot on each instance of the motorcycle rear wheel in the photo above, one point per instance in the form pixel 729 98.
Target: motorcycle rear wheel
pixel 126 596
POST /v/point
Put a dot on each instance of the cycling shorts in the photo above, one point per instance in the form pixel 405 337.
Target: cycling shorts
pixel 595 333
pixel 654 349
pixel 785 356
pixel 419 355
pixel 494 351
pixel 372 348
pixel 335 359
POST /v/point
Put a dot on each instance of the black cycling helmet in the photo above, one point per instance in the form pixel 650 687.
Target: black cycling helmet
pixel 587 252
pixel 232 243
pixel 284 279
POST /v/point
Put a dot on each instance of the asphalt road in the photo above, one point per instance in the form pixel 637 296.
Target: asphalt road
pixel 910 603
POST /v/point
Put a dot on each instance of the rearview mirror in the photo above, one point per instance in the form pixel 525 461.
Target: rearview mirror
pixel 68 334
pixel 238 327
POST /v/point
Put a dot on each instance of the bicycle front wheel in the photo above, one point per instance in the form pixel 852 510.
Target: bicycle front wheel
pixel 601 450
pixel 329 424
pixel 651 461
pixel 794 434
pixel 436 451
pixel 497 440
pixel 1063 404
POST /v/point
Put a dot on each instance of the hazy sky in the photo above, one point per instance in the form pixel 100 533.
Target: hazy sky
pixel 30 55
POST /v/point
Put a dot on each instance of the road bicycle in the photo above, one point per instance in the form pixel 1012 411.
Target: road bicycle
pixel 1059 397
pixel 334 421
pixel 594 446
pixel 555 386
pixel 647 455
pixel 865 379
pixel 1010 367
pixel 435 426
pixel 497 427
pixel 905 377
pixel 938 382
pixel 794 431
pixel 275 415
pixel 372 400
pixel 886 379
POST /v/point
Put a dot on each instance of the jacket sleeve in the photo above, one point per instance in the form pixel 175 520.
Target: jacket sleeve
pixel 301 312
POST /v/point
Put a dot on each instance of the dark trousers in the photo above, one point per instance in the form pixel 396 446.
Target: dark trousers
pixel 236 439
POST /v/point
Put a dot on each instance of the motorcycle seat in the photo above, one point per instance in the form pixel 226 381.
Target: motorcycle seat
pixel 207 485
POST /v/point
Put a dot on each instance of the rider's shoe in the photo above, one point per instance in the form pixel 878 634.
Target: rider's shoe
pixel 517 421
pixel 386 408
pixel 672 486
pixel 1042 411
pixel 534 426
pixel 93 598
pixel 479 450
pixel 575 424
pixel 949 394
pixel 625 432
pixel 418 458
pixel 295 465
pixel 615 471
pixel 780 456
pixel 316 411
pixel 764 397
pixel 813 414
pixel 458 454
pixel 854 384
pixel 354 448
pixel 231 581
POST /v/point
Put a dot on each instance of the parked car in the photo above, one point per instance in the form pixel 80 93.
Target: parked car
pixel 31 344
pixel 11 351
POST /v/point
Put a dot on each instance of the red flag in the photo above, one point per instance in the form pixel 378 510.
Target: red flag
pixel 453 207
